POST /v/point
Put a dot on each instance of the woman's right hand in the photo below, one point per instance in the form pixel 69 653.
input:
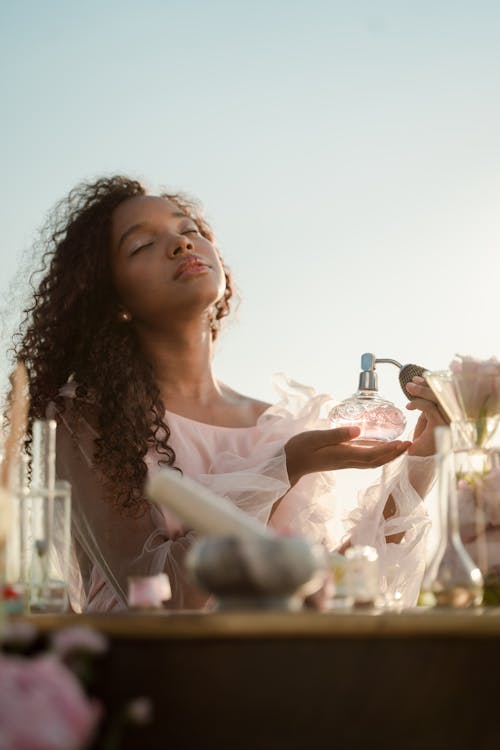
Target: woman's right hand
pixel 327 450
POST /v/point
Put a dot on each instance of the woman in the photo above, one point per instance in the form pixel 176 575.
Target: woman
pixel 119 341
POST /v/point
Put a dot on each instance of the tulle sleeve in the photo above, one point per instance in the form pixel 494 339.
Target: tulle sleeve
pixel 402 562
pixel 107 545
pixel 311 508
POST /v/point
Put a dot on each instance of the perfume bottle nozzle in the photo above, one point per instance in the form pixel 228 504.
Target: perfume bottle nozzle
pixel 368 380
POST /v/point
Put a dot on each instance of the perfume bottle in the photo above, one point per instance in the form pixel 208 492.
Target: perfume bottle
pixel 377 418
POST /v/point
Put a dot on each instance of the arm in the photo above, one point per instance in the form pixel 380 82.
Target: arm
pixel 421 473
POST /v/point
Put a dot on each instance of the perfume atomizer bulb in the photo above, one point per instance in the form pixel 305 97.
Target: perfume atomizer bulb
pixel 406 375
pixel 406 372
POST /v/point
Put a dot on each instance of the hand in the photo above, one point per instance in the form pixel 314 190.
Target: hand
pixel 431 417
pixel 326 450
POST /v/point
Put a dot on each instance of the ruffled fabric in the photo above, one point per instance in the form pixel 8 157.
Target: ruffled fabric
pixel 402 563
pixel 246 465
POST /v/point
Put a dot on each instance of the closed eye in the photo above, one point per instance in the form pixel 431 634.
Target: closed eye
pixel 141 247
pixel 191 231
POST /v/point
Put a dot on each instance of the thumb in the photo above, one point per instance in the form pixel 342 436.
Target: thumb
pixel 337 435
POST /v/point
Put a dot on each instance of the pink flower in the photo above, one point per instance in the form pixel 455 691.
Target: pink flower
pixel 140 711
pixel 43 707
pixel 472 367
pixel 78 638
pixel 477 386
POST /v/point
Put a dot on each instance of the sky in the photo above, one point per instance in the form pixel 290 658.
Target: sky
pixel 346 154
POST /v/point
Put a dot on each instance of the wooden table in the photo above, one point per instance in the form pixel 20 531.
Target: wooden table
pixel 308 681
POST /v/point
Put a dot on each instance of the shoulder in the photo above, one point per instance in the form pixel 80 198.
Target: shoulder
pixel 258 407
pixel 254 407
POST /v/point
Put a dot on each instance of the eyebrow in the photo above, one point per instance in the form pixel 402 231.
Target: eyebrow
pixel 145 224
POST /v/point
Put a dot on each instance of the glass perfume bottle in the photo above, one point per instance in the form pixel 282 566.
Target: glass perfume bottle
pixel 452 578
pixel 377 418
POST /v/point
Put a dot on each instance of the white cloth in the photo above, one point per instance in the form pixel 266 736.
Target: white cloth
pixel 246 465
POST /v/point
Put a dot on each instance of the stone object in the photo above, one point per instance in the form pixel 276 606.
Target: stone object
pixel 260 573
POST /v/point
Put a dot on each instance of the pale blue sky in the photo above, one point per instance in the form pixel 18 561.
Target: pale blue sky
pixel 347 155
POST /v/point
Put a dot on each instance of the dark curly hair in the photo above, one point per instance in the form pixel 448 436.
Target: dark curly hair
pixel 71 330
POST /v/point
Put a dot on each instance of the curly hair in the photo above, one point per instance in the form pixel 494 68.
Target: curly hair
pixel 71 330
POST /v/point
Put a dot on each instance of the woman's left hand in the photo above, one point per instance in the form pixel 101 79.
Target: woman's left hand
pixel 431 417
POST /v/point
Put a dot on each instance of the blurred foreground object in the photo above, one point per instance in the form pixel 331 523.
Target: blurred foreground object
pixel 260 573
pixel 148 592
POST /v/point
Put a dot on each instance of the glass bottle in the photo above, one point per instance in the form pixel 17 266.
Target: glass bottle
pixel 377 418
pixel 362 574
pixel 51 515
pixel 452 578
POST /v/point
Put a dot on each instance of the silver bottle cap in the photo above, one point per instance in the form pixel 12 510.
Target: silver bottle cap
pixel 368 379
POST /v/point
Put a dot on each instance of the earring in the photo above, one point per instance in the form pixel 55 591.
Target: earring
pixel 125 316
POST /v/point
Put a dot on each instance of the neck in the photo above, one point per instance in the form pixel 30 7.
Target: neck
pixel 182 361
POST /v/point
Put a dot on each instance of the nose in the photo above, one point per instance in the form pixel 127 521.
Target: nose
pixel 179 245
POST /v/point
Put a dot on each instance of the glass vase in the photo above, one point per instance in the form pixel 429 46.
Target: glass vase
pixel 469 394
pixel 472 404
pixel 478 489
pixel 452 577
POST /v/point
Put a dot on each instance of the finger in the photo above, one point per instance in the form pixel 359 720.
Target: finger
pixel 390 455
pixel 380 459
pixel 429 408
pixel 421 391
pixel 324 438
pixel 377 455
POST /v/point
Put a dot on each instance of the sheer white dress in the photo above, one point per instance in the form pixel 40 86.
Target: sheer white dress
pixel 246 465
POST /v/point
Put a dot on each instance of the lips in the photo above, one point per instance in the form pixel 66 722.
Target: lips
pixel 191 263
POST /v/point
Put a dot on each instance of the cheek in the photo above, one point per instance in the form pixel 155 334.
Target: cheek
pixel 123 284
pixel 221 283
pixel 135 287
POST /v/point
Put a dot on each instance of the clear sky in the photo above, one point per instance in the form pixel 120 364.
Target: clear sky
pixel 347 154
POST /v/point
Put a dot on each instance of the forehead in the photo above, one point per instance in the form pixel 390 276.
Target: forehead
pixel 141 208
